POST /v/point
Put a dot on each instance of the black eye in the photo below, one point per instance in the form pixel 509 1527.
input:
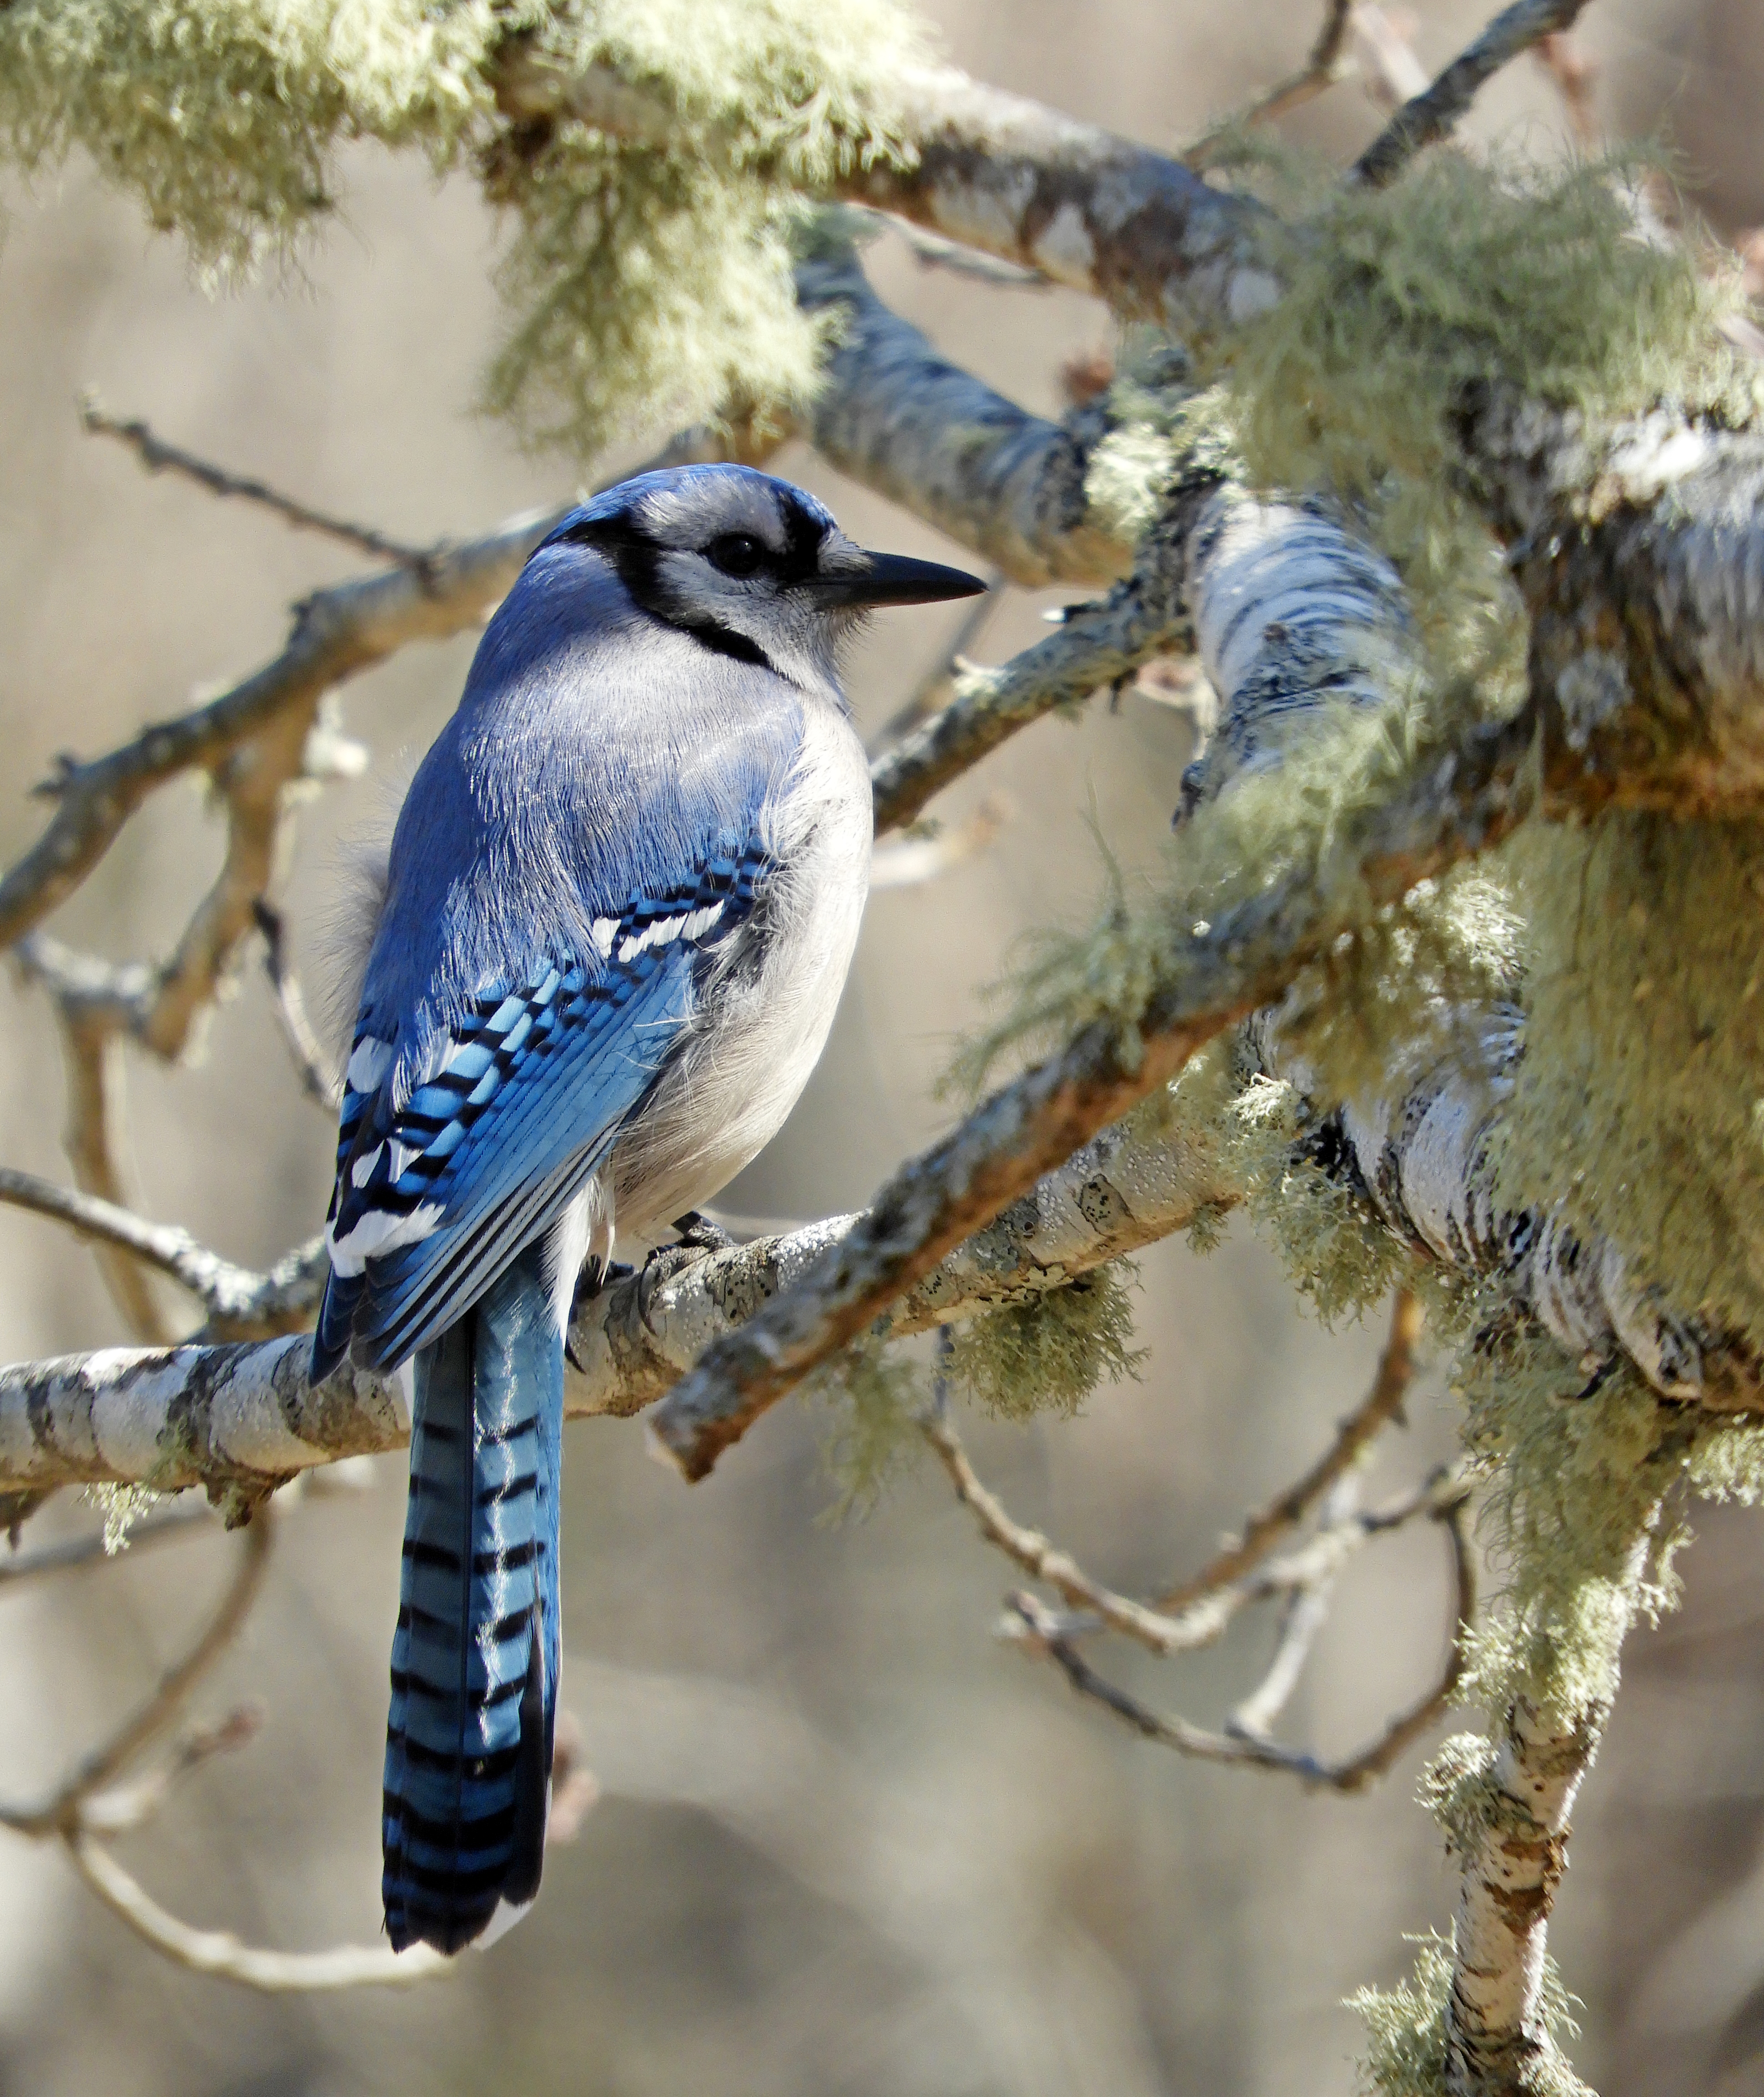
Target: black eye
pixel 736 553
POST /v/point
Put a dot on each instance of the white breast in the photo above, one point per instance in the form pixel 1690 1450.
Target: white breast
pixel 766 1021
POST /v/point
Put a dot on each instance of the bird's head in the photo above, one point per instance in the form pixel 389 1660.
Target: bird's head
pixel 747 565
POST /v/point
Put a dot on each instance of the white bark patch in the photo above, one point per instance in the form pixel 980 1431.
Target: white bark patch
pixel 1065 247
pixel 1662 451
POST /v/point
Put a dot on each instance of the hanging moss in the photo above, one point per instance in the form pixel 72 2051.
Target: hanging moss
pixel 122 1507
pixel 872 1395
pixel 1640 1102
pixel 647 283
pixel 1048 1354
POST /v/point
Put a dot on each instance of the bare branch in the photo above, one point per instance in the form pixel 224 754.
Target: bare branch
pixel 337 632
pixel 1327 64
pixel 92 1064
pixel 303 1045
pixel 165 1247
pixel 219 1954
pixel 60 1813
pixel 1393 74
pixel 1382 1404
pixel 1434 114
pixel 159 456
pixel 1048 1635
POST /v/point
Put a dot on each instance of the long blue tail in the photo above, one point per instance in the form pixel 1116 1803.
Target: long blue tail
pixel 475 1661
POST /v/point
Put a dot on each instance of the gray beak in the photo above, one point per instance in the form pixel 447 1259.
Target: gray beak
pixel 879 579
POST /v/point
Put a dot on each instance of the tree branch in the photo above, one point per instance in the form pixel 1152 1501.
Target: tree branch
pixel 222 1288
pixel 1458 797
pixel 1433 115
pixel 1382 1404
pixel 220 1955
pixel 239 1420
pixel 905 420
pixel 156 455
pixel 337 632
pixel 1047 1635
pixel 1511 1868
pixel 1326 65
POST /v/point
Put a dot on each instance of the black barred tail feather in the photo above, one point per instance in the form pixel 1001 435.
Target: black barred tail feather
pixel 475 1658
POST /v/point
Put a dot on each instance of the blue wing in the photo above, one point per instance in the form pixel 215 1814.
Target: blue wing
pixel 520 1101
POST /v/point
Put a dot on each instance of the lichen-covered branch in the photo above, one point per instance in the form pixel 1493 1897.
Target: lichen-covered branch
pixel 905 420
pixel 1515 1851
pixel 1001 173
pixel 240 1419
pixel 1455 798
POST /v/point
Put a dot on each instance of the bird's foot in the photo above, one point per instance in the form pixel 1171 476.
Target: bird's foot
pixel 701 1234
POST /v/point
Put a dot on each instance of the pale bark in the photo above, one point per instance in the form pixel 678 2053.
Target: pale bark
pixel 239 1419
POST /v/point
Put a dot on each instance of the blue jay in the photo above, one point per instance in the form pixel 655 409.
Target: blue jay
pixel 622 895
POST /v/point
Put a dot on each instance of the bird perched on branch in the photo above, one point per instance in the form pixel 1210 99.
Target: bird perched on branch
pixel 622 895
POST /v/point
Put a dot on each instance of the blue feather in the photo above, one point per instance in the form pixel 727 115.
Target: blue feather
pixel 477 1651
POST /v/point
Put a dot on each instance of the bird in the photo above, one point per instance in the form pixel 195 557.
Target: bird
pixel 603 958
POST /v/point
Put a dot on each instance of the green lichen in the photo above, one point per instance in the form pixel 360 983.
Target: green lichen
pixel 1406 2030
pixel 1050 1352
pixel 122 1507
pixel 1333 1251
pixel 1404 306
pixel 1582 1513
pixel 645 281
pixel 872 1396
pixel 1389 977
pixel 1639 1101
pixel 662 276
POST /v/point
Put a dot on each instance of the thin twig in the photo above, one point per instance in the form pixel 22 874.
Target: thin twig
pixel 1043 1560
pixel 167 1248
pixel 1389 71
pixel 1576 77
pixel 1326 65
pixel 1047 1636
pixel 1434 114
pixel 1382 1404
pixel 937 688
pixel 1302 1617
pixel 125 1807
pixel 303 1045
pixel 58 1814
pixel 220 1955
pixel 172 1523
pixel 159 456
pixel 909 862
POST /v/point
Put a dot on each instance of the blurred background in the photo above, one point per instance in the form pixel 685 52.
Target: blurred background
pixel 848 1841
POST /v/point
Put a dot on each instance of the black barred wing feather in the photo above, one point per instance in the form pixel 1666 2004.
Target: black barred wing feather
pixel 518 1104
